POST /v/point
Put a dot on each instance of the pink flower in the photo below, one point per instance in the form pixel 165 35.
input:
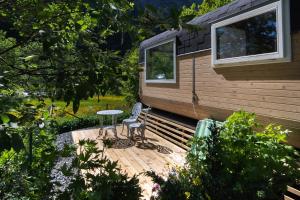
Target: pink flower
pixel 155 187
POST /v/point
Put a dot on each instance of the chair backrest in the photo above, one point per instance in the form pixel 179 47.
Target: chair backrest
pixel 136 110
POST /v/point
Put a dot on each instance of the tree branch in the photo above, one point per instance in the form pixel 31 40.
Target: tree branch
pixel 12 66
pixel 24 70
pixel 19 44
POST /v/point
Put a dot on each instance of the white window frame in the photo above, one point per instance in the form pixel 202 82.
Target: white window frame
pixel 174 63
pixel 283 53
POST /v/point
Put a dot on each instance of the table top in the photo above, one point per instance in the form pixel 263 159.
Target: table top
pixel 109 112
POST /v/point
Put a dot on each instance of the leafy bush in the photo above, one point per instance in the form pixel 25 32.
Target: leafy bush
pixel 97 177
pixel 240 160
pixel 77 123
pixel 22 178
pixel 131 71
pixel 84 122
pixel 255 163
pixel 93 175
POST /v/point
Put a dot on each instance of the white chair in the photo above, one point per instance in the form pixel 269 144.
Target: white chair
pixel 139 127
pixel 136 110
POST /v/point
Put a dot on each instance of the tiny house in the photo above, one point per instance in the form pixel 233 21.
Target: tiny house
pixel 245 55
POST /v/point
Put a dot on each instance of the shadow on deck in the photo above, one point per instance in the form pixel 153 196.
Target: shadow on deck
pixel 156 154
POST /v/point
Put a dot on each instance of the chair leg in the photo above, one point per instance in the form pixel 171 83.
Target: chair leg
pixel 142 131
pixel 100 132
pixel 115 132
pixel 130 133
pixel 134 131
pixel 128 130
pixel 122 128
pixel 105 134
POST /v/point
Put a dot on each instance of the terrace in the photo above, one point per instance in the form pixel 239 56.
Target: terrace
pixel 157 154
pixel 165 148
pixel 218 95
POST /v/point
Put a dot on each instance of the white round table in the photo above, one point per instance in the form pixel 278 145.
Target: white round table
pixel 109 112
pixel 113 114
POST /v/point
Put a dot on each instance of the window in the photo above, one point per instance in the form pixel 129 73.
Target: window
pixel 160 63
pixel 256 37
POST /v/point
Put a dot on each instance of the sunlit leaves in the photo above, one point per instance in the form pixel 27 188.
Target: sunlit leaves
pixel 28 58
pixel 61 47
pixel 203 8
pixel 242 161
pixel 4 118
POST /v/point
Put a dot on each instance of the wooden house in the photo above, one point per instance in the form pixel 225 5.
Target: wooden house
pixel 246 55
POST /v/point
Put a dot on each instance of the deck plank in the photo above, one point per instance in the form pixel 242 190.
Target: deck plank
pixel 136 158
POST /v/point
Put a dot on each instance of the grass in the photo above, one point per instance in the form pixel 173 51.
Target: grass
pixel 88 107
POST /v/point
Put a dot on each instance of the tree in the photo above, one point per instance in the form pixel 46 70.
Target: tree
pixel 203 8
pixel 60 47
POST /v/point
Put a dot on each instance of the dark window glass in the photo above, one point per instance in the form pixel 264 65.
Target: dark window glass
pixel 159 62
pixel 256 35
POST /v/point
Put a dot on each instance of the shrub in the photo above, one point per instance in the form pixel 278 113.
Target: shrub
pixel 24 179
pixel 97 177
pixel 255 163
pixel 93 175
pixel 241 160
pixel 84 122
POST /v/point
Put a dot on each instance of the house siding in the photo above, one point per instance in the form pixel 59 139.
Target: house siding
pixel 272 91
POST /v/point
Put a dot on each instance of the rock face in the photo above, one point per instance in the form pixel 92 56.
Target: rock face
pixel 61 181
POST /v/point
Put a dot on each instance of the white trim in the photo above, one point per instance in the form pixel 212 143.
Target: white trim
pixel 193 52
pixel 174 63
pixel 283 53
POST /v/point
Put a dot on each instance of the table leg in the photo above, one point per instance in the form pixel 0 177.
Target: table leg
pixel 101 126
pixel 114 124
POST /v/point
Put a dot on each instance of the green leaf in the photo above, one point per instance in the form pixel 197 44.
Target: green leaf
pixel 46 115
pixel 28 58
pixel 84 27
pixel 14 113
pixel 5 119
pixel 80 22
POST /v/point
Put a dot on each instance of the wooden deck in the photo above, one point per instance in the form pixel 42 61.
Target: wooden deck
pixel 156 154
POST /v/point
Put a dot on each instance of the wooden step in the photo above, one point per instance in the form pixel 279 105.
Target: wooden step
pixel 292 193
pixel 170 130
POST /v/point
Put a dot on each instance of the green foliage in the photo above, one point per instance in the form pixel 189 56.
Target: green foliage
pixel 174 187
pixel 61 48
pixel 203 8
pixel 97 177
pixel 21 179
pixel 131 71
pixel 84 122
pixel 9 140
pixel 153 19
pixel 77 123
pixel 240 160
pixel 210 5
pixel 256 164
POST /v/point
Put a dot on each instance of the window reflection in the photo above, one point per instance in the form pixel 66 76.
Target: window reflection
pixel 256 35
pixel 160 62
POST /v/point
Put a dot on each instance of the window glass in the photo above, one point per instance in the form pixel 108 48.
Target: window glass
pixel 255 35
pixel 160 62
